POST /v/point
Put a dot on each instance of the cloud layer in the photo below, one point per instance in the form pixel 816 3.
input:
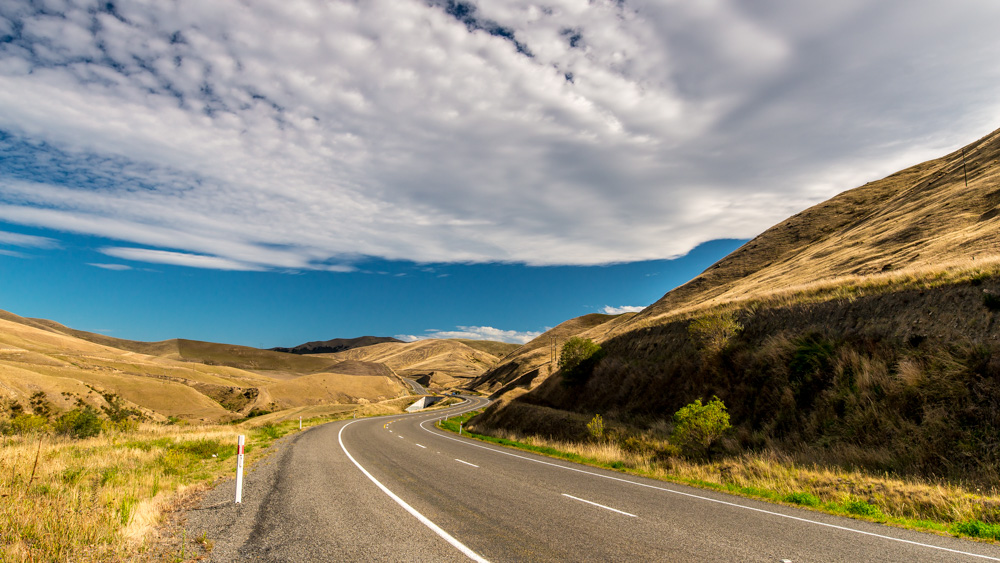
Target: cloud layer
pixel 241 134
pixel 474 333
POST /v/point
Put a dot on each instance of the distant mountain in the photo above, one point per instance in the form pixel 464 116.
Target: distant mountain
pixel 336 345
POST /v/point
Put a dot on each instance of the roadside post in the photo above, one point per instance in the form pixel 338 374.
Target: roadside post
pixel 300 423
pixel 239 469
pixel 459 428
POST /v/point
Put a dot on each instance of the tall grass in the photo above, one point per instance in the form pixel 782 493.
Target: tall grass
pixel 99 498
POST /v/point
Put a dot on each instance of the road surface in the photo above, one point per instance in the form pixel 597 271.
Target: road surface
pixel 417 388
pixel 398 489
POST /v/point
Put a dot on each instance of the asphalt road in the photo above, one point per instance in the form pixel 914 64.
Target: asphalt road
pixel 417 388
pixel 397 489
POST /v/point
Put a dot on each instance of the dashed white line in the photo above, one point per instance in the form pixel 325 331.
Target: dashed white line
pixel 423 519
pixel 600 505
pixel 422 446
pixel 704 498
pixel 467 463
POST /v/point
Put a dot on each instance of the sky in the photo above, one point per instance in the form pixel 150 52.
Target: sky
pixel 267 173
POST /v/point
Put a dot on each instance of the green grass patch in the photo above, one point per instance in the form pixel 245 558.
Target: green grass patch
pixel 977 529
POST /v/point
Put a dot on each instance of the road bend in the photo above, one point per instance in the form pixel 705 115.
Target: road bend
pixel 398 489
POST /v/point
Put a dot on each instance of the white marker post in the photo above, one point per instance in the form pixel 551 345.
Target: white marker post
pixel 239 469
pixel 300 423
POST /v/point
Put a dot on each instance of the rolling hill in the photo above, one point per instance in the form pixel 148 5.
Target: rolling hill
pixel 862 331
pixel 198 381
pixel 336 345
pixel 440 364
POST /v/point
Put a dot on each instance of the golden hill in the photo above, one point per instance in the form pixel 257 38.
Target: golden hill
pixel 440 364
pixel 922 217
pixel 175 378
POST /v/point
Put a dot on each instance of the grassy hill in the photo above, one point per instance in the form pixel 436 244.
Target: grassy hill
pixel 861 332
pixel 186 379
pixel 528 365
pixel 441 363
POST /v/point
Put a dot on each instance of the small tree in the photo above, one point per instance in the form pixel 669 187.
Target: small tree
pixel 578 358
pixel 697 426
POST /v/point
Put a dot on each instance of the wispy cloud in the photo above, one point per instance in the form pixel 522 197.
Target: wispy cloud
pixel 27 241
pixel 114 267
pixel 609 310
pixel 474 333
pixel 604 132
pixel 178 259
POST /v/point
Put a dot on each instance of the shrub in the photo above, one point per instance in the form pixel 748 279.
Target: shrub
pixel 40 404
pixel 596 427
pixel 713 332
pixel 28 424
pixel 697 426
pixel 578 358
pixel 79 423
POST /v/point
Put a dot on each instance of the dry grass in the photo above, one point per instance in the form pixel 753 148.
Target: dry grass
pixel 99 499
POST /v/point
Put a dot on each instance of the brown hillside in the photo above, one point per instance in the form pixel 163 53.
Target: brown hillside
pixel 448 363
pixel 528 365
pixel 920 217
pixel 43 356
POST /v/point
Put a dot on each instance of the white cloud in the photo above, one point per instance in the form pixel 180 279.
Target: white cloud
pixel 609 310
pixel 177 259
pixel 113 267
pixel 635 130
pixel 474 333
pixel 26 241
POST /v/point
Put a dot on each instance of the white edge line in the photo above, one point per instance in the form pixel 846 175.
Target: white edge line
pixel 600 505
pixel 467 463
pixel 469 442
pixel 423 519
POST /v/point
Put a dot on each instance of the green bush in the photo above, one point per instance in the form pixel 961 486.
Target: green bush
pixel 596 427
pixel 24 424
pixel 713 332
pixel 79 423
pixel 697 426
pixel 578 358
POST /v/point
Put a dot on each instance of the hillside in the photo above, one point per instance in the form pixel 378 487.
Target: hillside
pixel 862 331
pixel 197 381
pixel 440 364
pixel 336 345
pixel 922 217
pixel 529 365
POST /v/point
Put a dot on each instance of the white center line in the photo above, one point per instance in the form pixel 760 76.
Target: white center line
pixel 398 435
pixel 600 505
pixel 422 446
pixel 466 463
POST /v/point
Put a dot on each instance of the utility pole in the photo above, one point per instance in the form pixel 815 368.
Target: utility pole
pixel 964 169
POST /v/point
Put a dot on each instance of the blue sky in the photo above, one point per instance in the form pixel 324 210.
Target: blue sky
pixel 59 281
pixel 246 165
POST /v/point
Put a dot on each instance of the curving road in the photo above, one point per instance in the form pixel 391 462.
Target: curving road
pixel 398 489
